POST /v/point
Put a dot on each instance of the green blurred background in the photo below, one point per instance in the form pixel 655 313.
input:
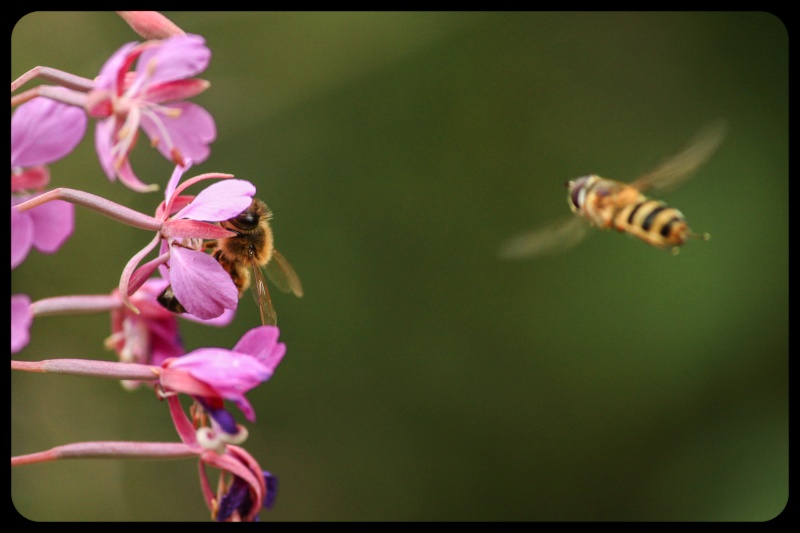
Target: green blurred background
pixel 426 379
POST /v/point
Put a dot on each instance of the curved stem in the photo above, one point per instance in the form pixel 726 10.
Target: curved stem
pixel 99 204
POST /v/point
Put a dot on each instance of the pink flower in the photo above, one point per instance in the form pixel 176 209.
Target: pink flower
pixel 42 131
pixel 21 319
pixel 150 97
pixel 212 375
pixel 198 281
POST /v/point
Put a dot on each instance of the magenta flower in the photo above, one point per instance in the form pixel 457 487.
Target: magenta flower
pixel 21 319
pixel 151 97
pixel 211 375
pixel 42 131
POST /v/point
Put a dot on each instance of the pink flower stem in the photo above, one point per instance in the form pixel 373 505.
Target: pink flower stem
pixel 64 79
pixel 71 305
pixel 109 450
pixel 59 94
pixel 105 207
pixel 86 367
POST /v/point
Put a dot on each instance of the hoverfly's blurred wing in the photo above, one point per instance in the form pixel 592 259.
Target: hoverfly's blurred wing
pixel 557 236
pixel 679 168
pixel 261 294
pixel 281 273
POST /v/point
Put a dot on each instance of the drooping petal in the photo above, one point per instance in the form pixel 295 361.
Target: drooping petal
pixel 53 224
pixel 21 319
pixel 222 320
pixel 202 286
pixel 21 235
pixel 44 130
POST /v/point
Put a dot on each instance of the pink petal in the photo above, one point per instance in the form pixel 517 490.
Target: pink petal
pixel 222 320
pixel 43 131
pixel 229 373
pixel 191 132
pixel 262 343
pixel 21 319
pixel 103 133
pixel 21 235
pixel 53 223
pixel 200 283
pixel 176 58
pixel 107 79
pixel 220 201
pixel 174 179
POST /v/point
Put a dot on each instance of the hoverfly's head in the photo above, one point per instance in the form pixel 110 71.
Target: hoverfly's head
pixel 577 192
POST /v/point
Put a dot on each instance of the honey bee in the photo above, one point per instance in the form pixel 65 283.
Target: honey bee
pixel 607 204
pixel 243 256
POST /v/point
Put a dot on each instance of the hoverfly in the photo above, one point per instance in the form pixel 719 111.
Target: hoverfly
pixel 243 256
pixel 607 204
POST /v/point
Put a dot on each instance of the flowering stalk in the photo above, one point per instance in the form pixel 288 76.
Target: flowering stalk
pixel 143 86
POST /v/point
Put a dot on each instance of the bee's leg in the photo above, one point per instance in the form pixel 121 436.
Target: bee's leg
pixel 209 244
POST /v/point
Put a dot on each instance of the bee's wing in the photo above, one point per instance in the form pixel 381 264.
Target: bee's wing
pixel 263 299
pixel 281 273
pixel 557 236
pixel 679 168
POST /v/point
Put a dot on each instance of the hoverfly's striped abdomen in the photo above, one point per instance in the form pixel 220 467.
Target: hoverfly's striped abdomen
pixel 653 222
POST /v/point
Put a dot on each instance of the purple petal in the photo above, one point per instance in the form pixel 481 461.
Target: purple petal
pixel 220 201
pixel 175 58
pixel 191 132
pixel 43 131
pixel 53 223
pixel 200 283
pixel 21 234
pixel 21 319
